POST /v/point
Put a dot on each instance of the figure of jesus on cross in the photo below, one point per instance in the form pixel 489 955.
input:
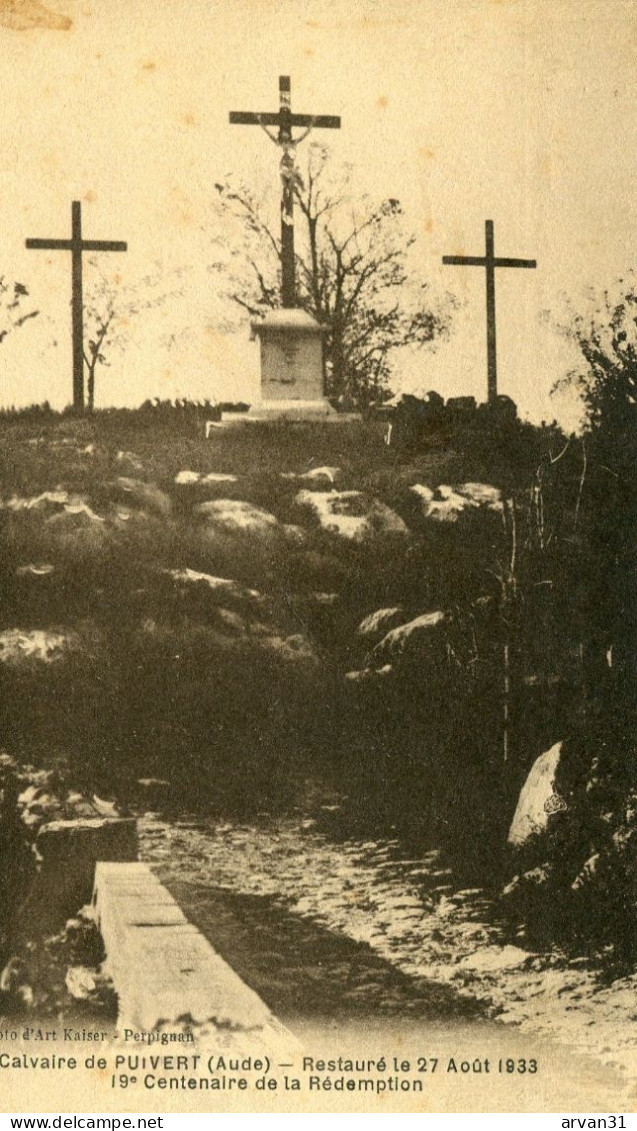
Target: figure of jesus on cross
pixel 285 120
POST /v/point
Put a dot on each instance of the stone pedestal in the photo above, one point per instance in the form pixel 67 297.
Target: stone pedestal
pixel 292 367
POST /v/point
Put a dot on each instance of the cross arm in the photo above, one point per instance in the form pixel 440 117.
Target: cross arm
pixel 245 118
pixel 316 121
pixel 514 262
pixel 104 245
pixel 50 245
pixel 466 260
pixel 310 121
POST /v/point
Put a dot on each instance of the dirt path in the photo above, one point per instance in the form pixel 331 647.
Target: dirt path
pixel 345 932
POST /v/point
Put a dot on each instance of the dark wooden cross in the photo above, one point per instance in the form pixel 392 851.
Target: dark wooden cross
pixel 285 120
pixel 76 245
pixel 489 261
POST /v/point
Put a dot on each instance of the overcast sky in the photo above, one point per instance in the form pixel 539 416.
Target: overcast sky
pixel 520 111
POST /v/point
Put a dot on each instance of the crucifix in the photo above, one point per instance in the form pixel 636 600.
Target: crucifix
pixel 285 120
pixel 489 261
pixel 76 245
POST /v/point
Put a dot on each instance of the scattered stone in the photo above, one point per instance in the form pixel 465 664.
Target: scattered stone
pixel 352 514
pixel 538 799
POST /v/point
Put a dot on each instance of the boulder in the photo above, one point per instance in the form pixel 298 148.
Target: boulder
pixel 538 800
pixel 69 851
pixel 412 635
pixel 83 841
pixel 131 459
pixel 365 675
pixel 36 645
pixel 352 514
pixel 222 585
pixel 447 504
pixel 35 569
pixel 319 475
pixel 234 516
pixel 186 478
pixel 377 623
pixel 137 493
pixel 78 531
pixel 492 959
pixel 48 501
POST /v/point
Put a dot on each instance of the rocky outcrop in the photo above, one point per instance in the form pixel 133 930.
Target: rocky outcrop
pixel 352 514
pixel 448 504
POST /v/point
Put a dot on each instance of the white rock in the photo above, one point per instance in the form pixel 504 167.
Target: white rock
pixel 80 982
pixel 130 458
pixel 217 584
pixel 446 504
pixel 538 799
pixel 380 621
pixel 366 674
pixel 38 502
pixel 352 514
pixel 37 644
pixel 219 477
pixel 414 631
pixel 422 492
pixel 234 516
pixel 187 477
pixel 141 494
pixel 32 570
pixel 494 958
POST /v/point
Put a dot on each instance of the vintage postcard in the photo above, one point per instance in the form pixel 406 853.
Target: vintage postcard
pixel 317 482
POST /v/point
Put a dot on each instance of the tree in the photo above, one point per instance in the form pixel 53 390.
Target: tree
pixel 353 274
pixel 110 311
pixel 606 337
pixel 12 314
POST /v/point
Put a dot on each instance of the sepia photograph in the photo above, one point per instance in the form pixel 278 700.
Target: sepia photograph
pixel 318 485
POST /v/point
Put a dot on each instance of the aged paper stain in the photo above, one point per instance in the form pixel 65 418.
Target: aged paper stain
pixel 22 15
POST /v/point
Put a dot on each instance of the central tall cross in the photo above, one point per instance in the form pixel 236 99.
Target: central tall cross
pixel 489 261
pixel 76 245
pixel 285 120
